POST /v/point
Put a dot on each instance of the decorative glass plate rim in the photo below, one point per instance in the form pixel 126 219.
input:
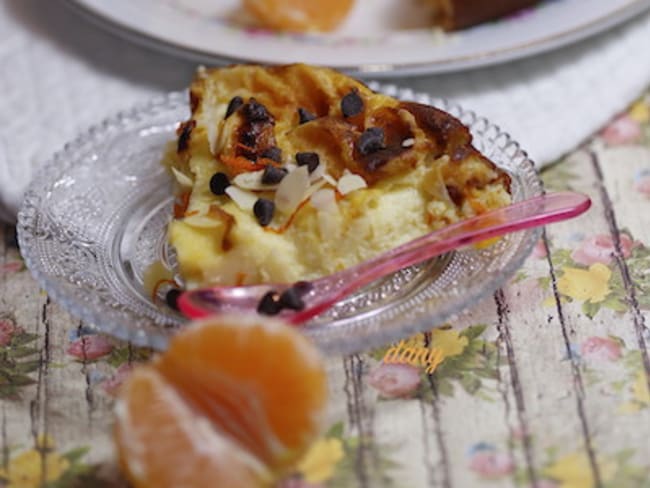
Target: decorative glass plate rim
pixel 158 38
pixel 328 339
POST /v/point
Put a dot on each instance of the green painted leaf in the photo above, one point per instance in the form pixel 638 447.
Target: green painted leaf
pixel 624 455
pixel 520 276
pixel 21 380
pixel 615 303
pixel 75 455
pixel 474 331
pixel 445 387
pixel 487 373
pixel 23 338
pixel 544 282
pixel 336 430
pixel 591 309
pixel 470 383
pixel 21 351
pixel 561 258
pixel 26 366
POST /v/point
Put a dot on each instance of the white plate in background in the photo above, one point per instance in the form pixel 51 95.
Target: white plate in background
pixel 379 37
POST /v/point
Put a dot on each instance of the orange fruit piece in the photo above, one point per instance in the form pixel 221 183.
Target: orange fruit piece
pixel 299 15
pixel 234 401
pixel 260 380
pixel 163 443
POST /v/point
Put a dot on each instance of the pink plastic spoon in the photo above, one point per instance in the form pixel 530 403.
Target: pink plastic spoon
pixel 298 302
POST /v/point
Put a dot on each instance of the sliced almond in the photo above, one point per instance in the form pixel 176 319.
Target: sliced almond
pixel 211 135
pixel 313 189
pixel 182 179
pixel 410 142
pixel 324 200
pixel 318 173
pixel 213 121
pixel 201 221
pixel 329 224
pixel 329 216
pixel 251 180
pixel 291 190
pixel 244 199
pixel 329 179
pixel 350 182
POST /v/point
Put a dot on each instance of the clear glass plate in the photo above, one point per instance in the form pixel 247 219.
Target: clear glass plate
pixel 94 219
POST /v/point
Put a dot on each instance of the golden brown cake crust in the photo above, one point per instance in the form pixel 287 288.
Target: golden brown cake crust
pixel 282 90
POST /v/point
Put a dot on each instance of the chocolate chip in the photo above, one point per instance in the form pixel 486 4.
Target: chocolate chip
pixel 305 115
pixel 233 105
pixel 184 135
pixel 273 174
pixel 303 287
pixel 247 138
pixel 273 152
pixel 351 104
pixel 310 159
pixel 218 183
pixel 254 111
pixel 269 304
pixel 291 299
pixel 171 298
pixel 263 210
pixel 370 141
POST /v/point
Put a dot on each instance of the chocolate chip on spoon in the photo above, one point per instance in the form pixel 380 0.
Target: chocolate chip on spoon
pixel 291 298
pixel 270 304
pixel 171 298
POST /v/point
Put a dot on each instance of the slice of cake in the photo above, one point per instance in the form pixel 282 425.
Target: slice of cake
pixel 314 15
pixel 293 172
pixel 459 14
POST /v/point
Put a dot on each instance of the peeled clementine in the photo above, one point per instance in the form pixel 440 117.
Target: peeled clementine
pixel 259 379
pixel 164 443
pixel 234 401
pixel 299 15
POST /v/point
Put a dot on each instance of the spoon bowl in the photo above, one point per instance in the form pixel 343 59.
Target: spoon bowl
pixel 301 301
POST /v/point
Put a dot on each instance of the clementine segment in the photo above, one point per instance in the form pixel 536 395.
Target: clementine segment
pixel 164 443
pixel 233 402
pixel 260 380
pixel 299 15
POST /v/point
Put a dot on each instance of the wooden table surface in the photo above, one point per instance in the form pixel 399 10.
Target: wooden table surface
pixel 546 384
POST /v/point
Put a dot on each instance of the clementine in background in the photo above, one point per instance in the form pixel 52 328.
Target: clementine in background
pixel 299 15
pixel 234 402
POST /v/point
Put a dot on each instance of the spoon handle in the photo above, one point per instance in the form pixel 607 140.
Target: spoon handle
pixel 328 290
pixel 534 212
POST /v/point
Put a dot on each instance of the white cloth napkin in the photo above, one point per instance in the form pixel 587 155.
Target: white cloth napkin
pixel 61 74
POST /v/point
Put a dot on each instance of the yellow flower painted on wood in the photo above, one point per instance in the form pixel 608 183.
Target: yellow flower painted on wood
pixel 320 461
pixel 26 469
pixel 640 111
pixel 449 341
pixel 586 284
pixel 574 471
